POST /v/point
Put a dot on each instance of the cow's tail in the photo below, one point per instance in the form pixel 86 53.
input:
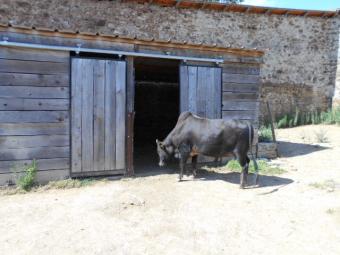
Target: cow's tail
pixel 251 138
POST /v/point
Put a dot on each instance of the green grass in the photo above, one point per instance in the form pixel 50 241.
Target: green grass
pixel 265 134
pixel 70 183
pixel 329 185
pixel 264 167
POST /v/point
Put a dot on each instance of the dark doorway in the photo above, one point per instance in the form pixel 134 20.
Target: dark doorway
pixel 156 107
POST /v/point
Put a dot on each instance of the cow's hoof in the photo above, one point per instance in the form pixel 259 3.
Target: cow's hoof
pixel 242 186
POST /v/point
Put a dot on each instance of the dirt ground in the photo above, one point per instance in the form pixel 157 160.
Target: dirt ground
pixel 294 213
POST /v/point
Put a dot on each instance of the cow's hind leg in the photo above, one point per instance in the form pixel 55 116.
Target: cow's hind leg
pixel 194 165
pixel 184 150
pixel 244 162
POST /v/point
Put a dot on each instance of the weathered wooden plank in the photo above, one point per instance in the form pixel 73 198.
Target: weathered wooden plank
pixel 87 115
pixel 33 92
pixel 192 70
pixel 242 59
pixel 242 115
pixel 234 87
pixel 241 78
pixel 239 105
pixel 201 92
pixel 241 69
pixel 217 97
pixel 210 87
pixel 42 164
pixel 10 104
pixel 35 55
pixel 33 129
pixel 61 128
pixel 239 96
pixel 99 116
pixel 34 153
pixel 184 87
pixel 13 142
pixel 23 66
pixel 42 176
pixel 120 113
pixel 42 80
pixel 76 108
pixel 33 116
pixel 130 84
pixel 110 115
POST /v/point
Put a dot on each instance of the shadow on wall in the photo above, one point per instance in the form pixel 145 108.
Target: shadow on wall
pixel 289 149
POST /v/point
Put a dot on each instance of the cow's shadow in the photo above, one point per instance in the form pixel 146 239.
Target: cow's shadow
pixel 234 177
pixel 290 149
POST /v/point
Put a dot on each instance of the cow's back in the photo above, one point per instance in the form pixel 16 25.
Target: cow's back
pixel 211 137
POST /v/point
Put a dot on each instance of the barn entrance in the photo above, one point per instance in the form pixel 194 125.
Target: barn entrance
pixel 156 106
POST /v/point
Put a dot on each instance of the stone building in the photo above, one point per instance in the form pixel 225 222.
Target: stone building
pixel 73 73
pixel 301 48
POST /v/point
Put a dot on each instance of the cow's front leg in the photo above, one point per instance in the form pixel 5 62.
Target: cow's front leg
pixel 194 165
pixel 184 151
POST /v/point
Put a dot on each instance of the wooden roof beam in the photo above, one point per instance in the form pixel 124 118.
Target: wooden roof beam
pixel 268 12
pixel 203 5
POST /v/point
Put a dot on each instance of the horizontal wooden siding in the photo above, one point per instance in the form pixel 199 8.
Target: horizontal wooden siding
pixel 240 87
pixel 34 112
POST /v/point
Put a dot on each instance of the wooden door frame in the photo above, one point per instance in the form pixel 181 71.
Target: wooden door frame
pixel 130 115
pixel 130 105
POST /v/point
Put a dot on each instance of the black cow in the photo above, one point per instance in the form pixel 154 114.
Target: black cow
pixel 193 136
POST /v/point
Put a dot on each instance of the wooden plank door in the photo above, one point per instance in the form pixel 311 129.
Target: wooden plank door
pixel 200 93
pixel 98 116
pixel 201 89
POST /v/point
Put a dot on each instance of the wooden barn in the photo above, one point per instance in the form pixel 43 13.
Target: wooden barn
pixel 84 104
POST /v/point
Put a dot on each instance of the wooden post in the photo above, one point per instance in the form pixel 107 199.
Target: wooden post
pixel 130 99
pixel 272 126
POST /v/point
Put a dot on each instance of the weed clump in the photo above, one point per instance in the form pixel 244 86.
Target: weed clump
pixel 265 134
pixel 26 180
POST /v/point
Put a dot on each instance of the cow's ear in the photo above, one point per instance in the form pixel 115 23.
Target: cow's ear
pixel 157 141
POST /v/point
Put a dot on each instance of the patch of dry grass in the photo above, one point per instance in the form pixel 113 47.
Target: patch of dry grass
pixel 61 184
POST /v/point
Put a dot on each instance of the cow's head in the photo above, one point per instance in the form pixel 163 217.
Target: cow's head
pixel 164 152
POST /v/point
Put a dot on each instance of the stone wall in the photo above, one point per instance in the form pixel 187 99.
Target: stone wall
pixel 336 98
pixel 300 52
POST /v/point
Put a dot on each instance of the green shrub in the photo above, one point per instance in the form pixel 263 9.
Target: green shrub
pixel 314 117
pixel 26 181
pixel 265 134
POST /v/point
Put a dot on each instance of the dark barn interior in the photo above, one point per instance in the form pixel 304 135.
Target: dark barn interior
pixel 156 107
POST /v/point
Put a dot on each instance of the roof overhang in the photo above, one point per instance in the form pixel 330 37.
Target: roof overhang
pixel 237 8
pixel 170 43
